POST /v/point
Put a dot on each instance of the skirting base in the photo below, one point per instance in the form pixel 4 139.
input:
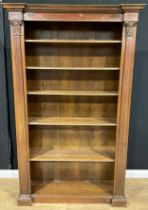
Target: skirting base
pixel 24 200
pixel 119 201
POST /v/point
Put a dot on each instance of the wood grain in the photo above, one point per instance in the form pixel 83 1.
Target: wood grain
pixel 73 55
pixel 72 17
pixel 72 171
pixel 123 116
pixel 82 138
pixel 21 115
pixel 73 68
pixel 54 41
pixel 77 121
pixel 73 31
pixel 88 191
pixel 65 80
pixel 72 93
pixel 72 156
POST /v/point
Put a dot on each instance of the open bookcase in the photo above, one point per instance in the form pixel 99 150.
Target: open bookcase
pixel 72 73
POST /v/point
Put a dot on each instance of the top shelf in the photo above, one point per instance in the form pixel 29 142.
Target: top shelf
pixel 63 41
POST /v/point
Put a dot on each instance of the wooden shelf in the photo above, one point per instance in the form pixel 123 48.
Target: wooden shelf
pixel 73 68
pixel 57 41
pixel 73 93
pixel 82 191
pixel 72 121
pixel 73 155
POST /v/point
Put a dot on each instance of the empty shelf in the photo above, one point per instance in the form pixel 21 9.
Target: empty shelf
pixel 71 191
pixel 83 121
pixel 72 155
pixel 57 41
pixel 72 93
pixel 72 68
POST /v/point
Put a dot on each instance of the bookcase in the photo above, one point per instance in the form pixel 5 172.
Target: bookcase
pixel 72 76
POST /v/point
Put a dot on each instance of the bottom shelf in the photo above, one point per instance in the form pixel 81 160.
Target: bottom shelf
pixel 72 191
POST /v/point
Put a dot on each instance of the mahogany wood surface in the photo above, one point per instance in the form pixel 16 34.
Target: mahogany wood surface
pixel 72 77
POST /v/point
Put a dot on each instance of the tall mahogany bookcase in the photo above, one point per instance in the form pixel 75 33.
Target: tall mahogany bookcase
pixel 72 76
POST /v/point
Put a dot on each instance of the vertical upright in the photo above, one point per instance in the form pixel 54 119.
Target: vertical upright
pixel 130 19
pixel 20 99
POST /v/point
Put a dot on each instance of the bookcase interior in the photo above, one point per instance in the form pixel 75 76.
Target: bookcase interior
pixel 72 86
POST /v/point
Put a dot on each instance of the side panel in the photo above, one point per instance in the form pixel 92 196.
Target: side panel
pixel 20 99
pixel 123 116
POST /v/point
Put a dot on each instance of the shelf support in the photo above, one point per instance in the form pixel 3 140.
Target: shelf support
pixel 20 100
pixel 129 28
pixel 123 115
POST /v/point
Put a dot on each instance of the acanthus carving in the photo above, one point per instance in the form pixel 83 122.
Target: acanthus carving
pixel 129 28
pixel 16 28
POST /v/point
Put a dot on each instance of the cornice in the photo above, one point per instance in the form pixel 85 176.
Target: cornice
pixel 113 8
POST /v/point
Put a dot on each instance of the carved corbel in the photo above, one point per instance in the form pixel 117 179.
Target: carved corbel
pixel 16 28
pixel 16 22
pixel 129 28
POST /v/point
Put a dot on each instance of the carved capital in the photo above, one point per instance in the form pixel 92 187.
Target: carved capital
pixel 129 28
pixel 16 28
